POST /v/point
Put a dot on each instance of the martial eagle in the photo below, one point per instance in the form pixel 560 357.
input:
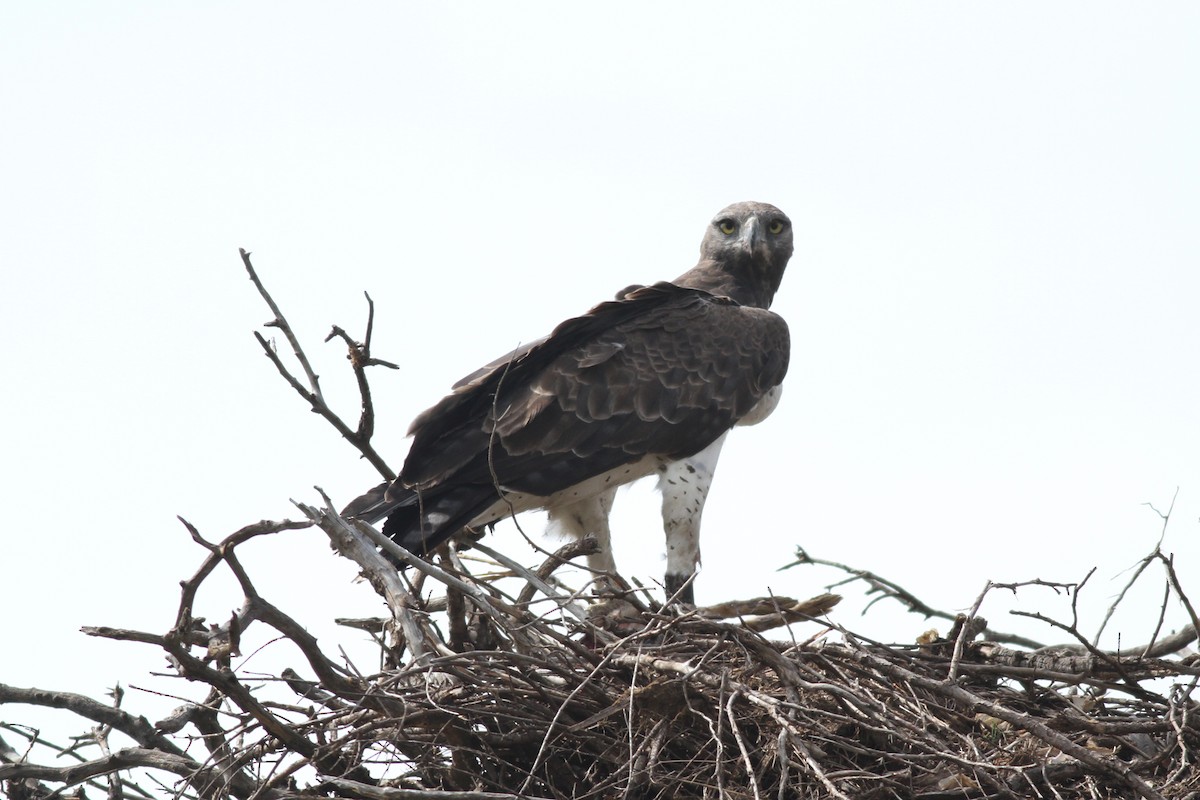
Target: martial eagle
pixel 650 382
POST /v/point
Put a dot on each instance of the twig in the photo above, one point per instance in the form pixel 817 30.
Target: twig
pixel 967 631
pixel 129 758
pixel 351 539
pixel 886 588
pixel 281 323
pixel 1140 568
pixel 360 358
pixel 1173 578
pixel 360 438
pixel 368 792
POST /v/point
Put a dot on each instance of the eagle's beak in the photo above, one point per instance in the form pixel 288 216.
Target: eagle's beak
pixel 751 236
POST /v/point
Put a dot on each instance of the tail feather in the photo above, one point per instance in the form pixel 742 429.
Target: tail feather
pixel 419 523
pixel 372 506
pixel 433 518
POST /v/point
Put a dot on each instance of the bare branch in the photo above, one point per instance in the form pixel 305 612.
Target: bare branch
pixel 885 588
pixel 360 438
pixel 366 792
pixel 281 323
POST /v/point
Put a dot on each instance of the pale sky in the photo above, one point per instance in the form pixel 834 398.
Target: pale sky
pixel 994 300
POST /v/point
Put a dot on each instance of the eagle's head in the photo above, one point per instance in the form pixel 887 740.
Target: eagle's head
pixel 752 241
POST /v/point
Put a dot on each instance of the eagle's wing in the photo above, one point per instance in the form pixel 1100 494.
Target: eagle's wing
pixel 664 370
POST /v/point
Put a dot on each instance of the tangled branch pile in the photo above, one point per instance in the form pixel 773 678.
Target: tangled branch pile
pixel 509 683
pixel 535 693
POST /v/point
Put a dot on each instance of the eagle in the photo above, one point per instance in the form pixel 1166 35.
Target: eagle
pixel 648 383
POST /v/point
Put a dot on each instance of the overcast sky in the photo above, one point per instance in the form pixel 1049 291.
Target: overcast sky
pixel 993 300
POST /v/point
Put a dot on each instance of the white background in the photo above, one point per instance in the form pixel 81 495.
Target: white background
pixel 993 301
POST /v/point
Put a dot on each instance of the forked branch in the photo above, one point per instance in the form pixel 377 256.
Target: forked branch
pixel 360 358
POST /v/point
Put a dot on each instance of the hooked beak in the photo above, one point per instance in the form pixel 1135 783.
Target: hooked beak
pixel 751 237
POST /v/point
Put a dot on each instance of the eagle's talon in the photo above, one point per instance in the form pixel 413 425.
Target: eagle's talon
pixel 679 590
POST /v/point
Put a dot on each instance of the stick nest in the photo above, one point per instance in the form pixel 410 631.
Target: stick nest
pixel 518 686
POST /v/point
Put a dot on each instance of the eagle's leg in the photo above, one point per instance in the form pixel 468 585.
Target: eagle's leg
pixel 684 486
pixel 589 516
pixel 680 588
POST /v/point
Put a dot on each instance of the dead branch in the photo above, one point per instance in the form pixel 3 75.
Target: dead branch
pixel 884 588
pixel 360 358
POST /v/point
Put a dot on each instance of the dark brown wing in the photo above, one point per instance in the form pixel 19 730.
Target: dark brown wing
pixel 664 370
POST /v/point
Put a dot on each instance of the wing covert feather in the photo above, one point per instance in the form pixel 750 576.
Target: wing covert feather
pixel 663 370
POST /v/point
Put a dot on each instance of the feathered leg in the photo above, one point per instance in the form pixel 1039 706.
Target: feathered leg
pixel 684 486
pixel 585 517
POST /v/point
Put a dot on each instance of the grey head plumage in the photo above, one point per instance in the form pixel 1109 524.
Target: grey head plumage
pixel 743 254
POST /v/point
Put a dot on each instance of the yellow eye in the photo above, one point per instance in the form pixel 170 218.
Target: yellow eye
pixel 776 226
pixel 726 226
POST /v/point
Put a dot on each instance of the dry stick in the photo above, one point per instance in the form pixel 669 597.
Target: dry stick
pixel 136 728
pixel 629 722
pixel 184 620
pixel 281 323
pixel 813 764
pixel 1183 598
pixel 719 738
pixel 966 630
pixel 493 607
pixel 737 737
pixel 350 538
pixel 318 406
pixel 1141 567
pixel 360 358
pixel 258 608
pixel 610 655
pixel 129 758
pixel 157 755
pixel 312 394
pixel 798 611
pixel 10 756
pixel 536 581
pixel 204 716
pixel 368 792
pixel 1162 618
pixel 1152 649
pixel 1129 683
pixel 100 736
pixel 773 706
pixel 271 780
pixel 887 588
pixel 330 675
pixel 224 680
pixel 788 672
pixel 1183 709
pixel 1108 766
pixel 781 742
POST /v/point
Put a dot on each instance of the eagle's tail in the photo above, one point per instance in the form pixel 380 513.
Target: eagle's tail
pixel 419 522
pixel 372 506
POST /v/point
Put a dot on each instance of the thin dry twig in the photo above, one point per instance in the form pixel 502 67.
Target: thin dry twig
pixel 360 358
pixel 885 588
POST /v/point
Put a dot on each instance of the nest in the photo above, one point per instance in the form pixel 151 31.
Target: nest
pixel 628 699
pixel 523 687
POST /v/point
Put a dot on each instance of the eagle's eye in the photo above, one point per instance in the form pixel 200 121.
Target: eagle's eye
pixel 776 226
pixel 727 226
